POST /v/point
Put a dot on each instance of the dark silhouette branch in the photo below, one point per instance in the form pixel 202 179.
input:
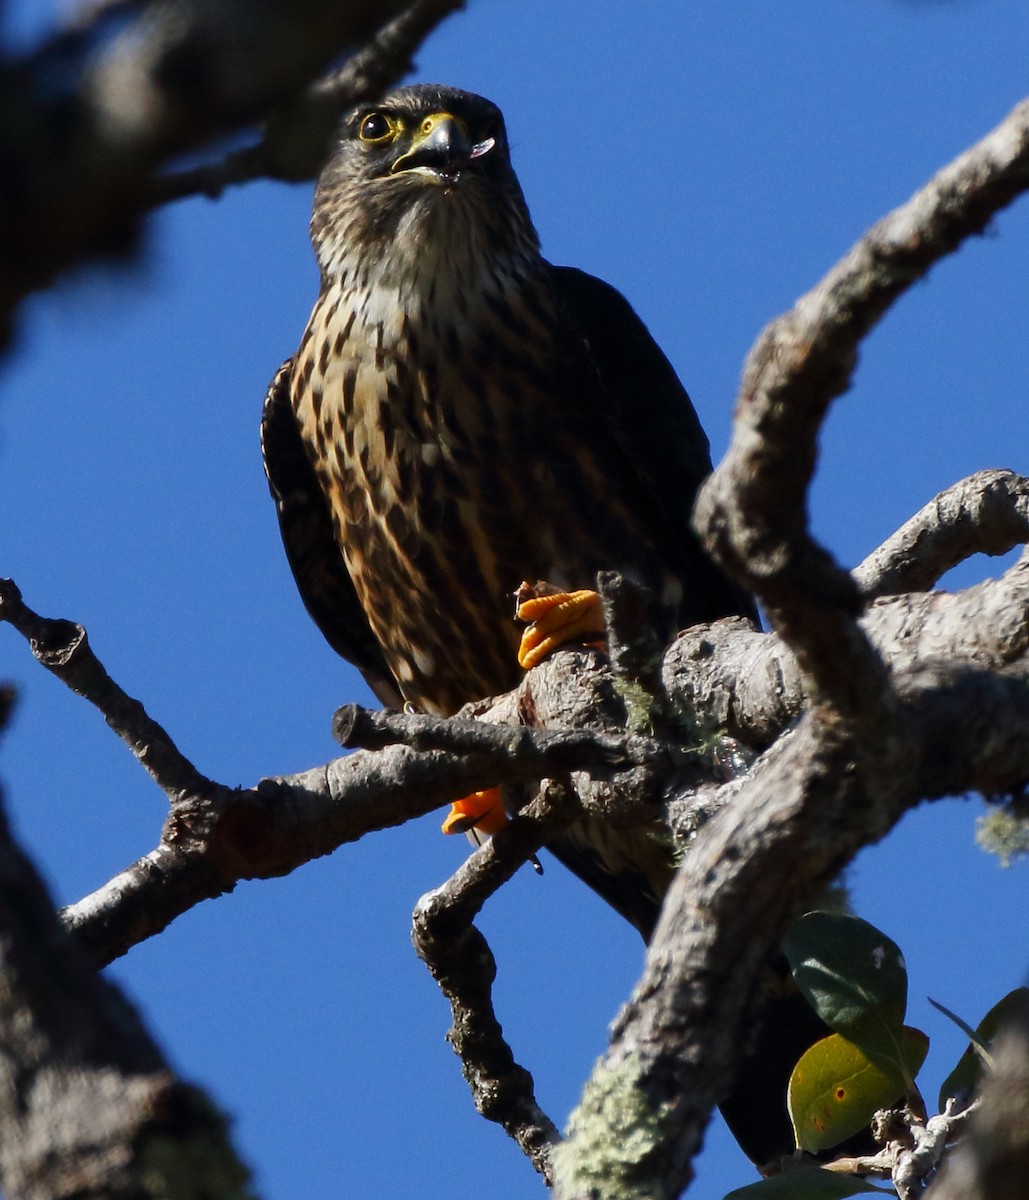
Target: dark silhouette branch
pixel 295 137
pixel 140 83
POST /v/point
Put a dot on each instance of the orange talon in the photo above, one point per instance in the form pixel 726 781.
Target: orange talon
pixel 481 811
pixel 556 620
pixel 552 620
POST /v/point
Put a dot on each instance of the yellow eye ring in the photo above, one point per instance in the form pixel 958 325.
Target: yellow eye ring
pixel 376 128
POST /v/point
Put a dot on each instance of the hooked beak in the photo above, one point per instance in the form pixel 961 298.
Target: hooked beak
pixel 442 149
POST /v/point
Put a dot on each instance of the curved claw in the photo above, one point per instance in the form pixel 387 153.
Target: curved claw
pixel 482 811
pixel 557 620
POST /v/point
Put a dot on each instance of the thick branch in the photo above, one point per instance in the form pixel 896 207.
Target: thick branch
pixel 295 138
pixel 813 800
pixel 213 840
pixel 751 512
pixel 106 104
pixel 88 1107
pixel 992 1163
pixel 749 683
pixel 872 744
pixel 726 677
pixel 987 513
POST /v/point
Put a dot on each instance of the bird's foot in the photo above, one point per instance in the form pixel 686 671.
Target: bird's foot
pixel 481 812
pixel 555 619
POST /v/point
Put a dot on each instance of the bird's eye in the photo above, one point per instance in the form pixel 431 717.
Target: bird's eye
pixel 376 127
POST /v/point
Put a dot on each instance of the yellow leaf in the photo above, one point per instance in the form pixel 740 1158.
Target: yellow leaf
pixel 835 1088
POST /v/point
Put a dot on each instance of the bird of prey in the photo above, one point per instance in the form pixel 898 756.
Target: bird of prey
pixel 462 416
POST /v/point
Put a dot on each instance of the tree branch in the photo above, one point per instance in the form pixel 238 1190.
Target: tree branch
pixel 913 1149
pixel 295 138
pixel 63 648
pixel 811 801
pixel 215 835
pixel 987 513
pixel 992 1163
pixel 725 677
pixel 869 747
pixel 751 512
pixel 108 103
pixel 462 963
pixel 88 1106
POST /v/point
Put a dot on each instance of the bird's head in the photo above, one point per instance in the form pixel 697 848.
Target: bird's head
pixel 424 171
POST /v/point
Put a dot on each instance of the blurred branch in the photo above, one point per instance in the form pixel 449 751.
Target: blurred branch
pixel 992 1162
pixel 88 1106
pixel 295 138
pixel 88 118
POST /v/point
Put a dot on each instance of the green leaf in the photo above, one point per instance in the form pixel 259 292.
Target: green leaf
pixel 836 1087
pixel 853 976
pixel 805 1183
pixel 969 1068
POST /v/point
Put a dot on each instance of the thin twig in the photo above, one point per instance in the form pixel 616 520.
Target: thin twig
pixel 462 963
pixel 63 648
pixel 912 1152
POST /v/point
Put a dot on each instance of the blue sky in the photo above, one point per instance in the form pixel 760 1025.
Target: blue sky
pixel 710 160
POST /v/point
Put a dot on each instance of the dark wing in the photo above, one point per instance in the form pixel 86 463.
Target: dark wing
pixel 306 526
pixel 653 418
pixel 650 414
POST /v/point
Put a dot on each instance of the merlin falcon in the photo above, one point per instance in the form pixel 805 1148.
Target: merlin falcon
pixel 462 416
